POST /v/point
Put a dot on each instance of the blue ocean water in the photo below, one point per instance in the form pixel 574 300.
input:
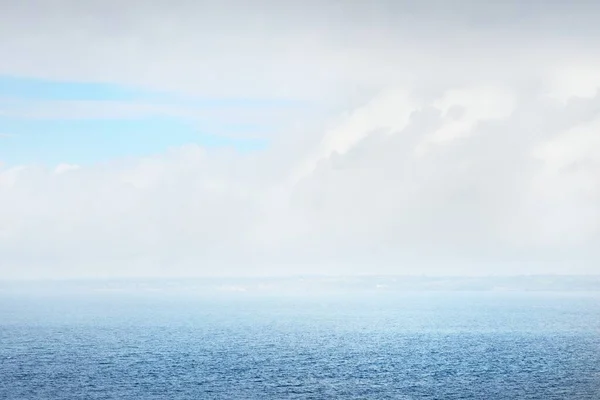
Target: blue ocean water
pixel 413 346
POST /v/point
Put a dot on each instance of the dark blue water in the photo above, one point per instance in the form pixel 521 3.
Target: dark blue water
pixel 420 346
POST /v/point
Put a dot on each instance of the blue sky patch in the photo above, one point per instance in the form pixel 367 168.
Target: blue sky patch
pixel 88 141
pixel 84 141
pixel 24 88
pixel 28 88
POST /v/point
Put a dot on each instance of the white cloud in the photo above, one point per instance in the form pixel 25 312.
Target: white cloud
pixel 64 168
pixel 9 176
pixel 389 111
pixel 459 159
pixel 578 144
pixel 577 80
pixel 520 193
pixel 311 50
pixel 463 109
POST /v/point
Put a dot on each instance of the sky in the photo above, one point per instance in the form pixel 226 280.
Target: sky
pixel 231 138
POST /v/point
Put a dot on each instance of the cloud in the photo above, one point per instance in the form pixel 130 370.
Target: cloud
pixel 519 193
pixel 307 50
pixel 449 139
pixel 63 168
pixel 389 111
pixel 575 80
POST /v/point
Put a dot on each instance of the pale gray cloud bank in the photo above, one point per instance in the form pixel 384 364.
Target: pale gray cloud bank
pixel 460 139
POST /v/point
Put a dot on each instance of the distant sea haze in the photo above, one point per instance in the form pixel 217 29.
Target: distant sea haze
pixel 308 285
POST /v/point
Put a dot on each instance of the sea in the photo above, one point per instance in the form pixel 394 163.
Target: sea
pixel 421 345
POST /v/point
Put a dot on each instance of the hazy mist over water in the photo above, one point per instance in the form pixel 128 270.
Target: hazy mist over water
pixel 423 344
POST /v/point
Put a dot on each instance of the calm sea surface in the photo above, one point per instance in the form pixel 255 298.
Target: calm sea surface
pixel 414 346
